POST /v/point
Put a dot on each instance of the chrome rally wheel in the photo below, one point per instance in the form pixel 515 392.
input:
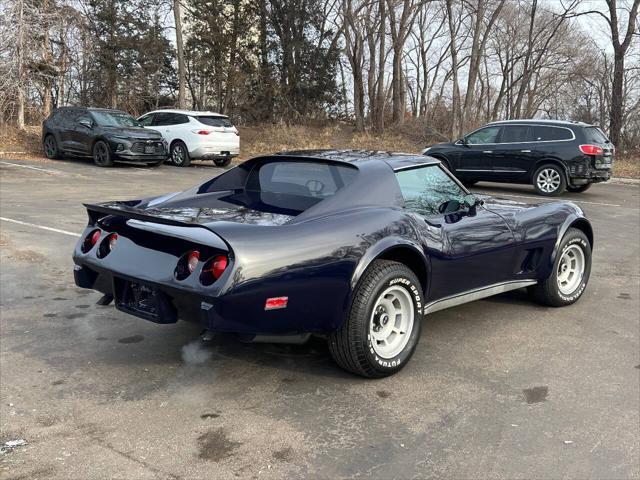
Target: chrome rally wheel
pixel 391 322
pixel 570 269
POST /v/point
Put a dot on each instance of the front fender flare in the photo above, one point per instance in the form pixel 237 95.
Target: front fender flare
pixel 570 221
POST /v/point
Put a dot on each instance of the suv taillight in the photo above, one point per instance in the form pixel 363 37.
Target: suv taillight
pixel 591 149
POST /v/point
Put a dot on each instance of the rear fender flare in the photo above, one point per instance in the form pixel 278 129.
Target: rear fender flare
pixel 377 250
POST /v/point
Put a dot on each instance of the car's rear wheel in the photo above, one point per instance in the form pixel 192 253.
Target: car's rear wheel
pixel 222 162
pixel 51 147
pixel 102 154
pixel 179 155
pixel 549 180
pixel 579 188
pixel 382 329
pixel 570 274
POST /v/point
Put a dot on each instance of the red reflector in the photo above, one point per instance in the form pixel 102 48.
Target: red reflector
pixel 90 240
pixel 275 303
pixel 192 261
pixel 95 236
pixel 203 132
pixel 591 149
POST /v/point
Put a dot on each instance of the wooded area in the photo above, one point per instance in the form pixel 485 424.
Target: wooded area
pixel 450 65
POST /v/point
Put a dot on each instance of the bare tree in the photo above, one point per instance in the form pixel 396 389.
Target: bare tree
pixel 182 74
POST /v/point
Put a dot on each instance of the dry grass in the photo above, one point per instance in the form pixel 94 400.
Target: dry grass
pixel 264 139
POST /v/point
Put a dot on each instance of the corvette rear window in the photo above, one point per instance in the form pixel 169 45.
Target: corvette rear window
pixel 305 179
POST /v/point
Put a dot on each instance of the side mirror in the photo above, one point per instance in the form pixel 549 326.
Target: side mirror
pixel 86 123
pixel 472 202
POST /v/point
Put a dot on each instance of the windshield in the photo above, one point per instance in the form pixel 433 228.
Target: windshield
pixel 114 119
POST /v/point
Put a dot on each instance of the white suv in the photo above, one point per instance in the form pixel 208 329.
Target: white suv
pixel 195 135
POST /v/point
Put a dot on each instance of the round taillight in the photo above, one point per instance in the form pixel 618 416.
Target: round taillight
pixel 187 264
pixel 90 240
pixel 213 269
pixel 192 261
pixel 107 245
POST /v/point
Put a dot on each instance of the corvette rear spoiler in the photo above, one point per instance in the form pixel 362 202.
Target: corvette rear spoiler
pixel 96 212
pixel 157 224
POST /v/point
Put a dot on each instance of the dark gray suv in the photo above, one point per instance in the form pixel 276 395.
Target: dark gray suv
pixel 552 155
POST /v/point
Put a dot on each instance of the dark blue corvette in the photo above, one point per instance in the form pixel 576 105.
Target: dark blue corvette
pixel 355 246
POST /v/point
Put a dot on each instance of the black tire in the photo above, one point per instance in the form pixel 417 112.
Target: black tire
pixel 549 292
pixel 351 346
pixel 222 162
pixel 557 181
pixel 179 154
pixel 50 147
pixel 102 154
pixel 579 188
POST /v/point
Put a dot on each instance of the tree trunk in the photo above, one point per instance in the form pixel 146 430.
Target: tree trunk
pixel 380 96
pixel 20 57
pixel 180 52
pixel 615 117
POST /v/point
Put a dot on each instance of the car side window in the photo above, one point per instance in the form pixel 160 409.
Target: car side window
pixel 550 134
pixel 516 134
pixel 146 121
pixel 166 119
pixel 484 135
pixel 428 190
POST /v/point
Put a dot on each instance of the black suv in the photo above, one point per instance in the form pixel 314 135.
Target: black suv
pixel 551 155
pixel 103 134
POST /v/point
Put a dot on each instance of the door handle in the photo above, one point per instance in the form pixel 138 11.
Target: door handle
pixel 487 151
pixel 525 151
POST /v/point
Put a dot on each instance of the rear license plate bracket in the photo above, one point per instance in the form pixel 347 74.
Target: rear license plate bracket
pixel 144 301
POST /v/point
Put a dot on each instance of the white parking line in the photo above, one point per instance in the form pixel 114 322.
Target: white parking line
pixel 41 227
pixel 500 194
pixel 54 172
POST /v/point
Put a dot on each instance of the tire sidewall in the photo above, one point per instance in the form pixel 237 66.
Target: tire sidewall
pixel 109 160
pixel 185 159
pixel 572 238
pixel 563 180
pixel 56 151
pixel 409 282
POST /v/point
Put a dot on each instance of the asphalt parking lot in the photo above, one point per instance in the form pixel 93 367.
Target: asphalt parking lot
pixel 499 388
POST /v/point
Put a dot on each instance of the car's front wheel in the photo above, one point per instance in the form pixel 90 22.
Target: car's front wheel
pixel 549 180
pixel 222 162
pixel 382 329
pixel 579 188
pixel 102 154
pixel 179 155
pixel 570 274
pixel 51 147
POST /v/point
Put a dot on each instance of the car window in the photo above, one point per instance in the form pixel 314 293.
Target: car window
pixel 484 135
pixel 308 179
pixel 515 134
pixel 595 135
pixel 114 119
pixel 214 121
pixel 168 118
pixel 146 120
pixel 84 117
pixel 550 134
pixel 425 189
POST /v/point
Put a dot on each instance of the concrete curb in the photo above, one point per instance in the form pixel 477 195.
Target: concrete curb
pixel 625 181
